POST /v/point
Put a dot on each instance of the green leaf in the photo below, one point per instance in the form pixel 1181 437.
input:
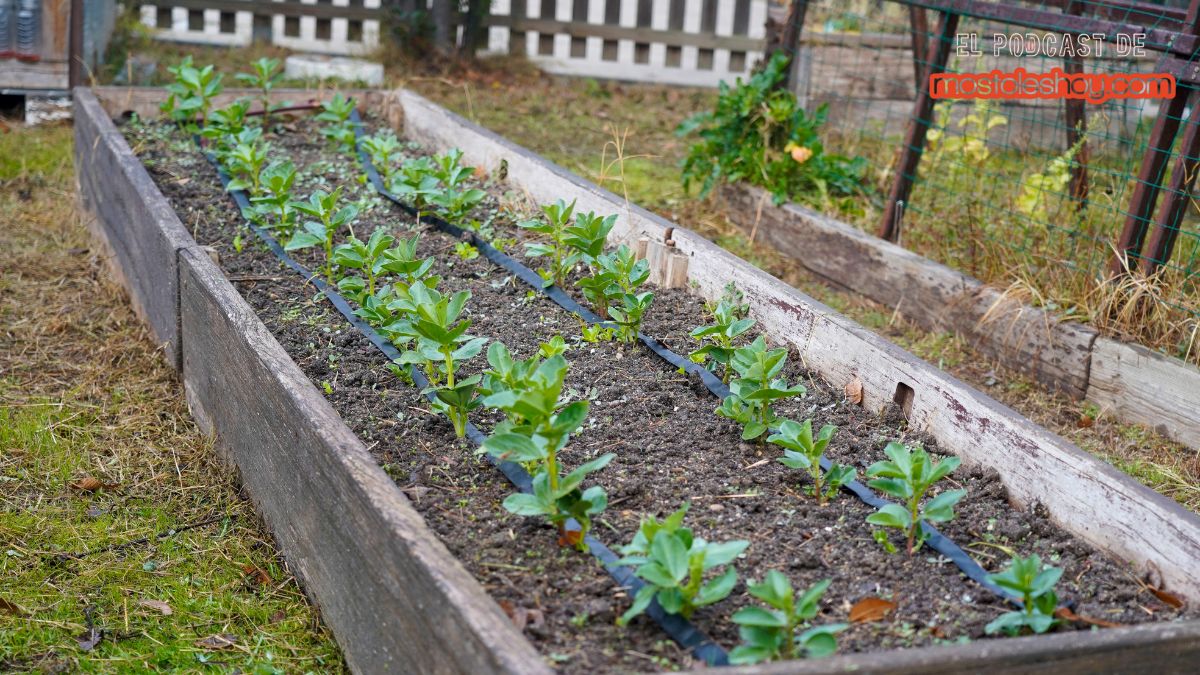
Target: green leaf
pixel 671 554
pixel 527 505
pixel 941 508
pixel 759 616
pixel 514 447
pixel 723 553
pixel 641 601
pixel 717 589
pixel 891 515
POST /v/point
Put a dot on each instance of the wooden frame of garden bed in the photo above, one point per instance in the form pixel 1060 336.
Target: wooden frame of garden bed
pixel 391 592
pixel 1129 381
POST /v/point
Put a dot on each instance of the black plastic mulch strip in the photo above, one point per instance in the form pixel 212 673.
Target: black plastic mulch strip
pixel 933 538
pixel 678 628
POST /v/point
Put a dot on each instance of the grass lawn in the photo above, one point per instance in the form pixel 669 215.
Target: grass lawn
pixel 125 545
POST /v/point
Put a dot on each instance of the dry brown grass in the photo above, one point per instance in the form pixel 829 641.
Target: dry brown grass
pixel 84 392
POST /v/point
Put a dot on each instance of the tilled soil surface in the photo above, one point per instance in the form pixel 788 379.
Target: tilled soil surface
pixel 671 449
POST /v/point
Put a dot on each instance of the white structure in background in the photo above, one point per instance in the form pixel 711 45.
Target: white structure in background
pixel 303 33
pixel 690 42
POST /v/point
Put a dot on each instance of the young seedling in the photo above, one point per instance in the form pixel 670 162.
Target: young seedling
pixel 1036 586
pixel 264 78
pixel 756 388
pixel 443 344
pixel 192 92
pixel 907 476
pixel 718 339
pixel 402 261
pixel 336 114
pixel 588 235
pixel 274 200
pixel 416 182
pixel 552 347
pixel 769 633
pixel 368 257
pixel 320 232
pixel 629 315
pixel 224 125
pixel 556 498
pixel 672 562
pixel 613 276
pixel 245 162
pixel 465 251
pixel 384 149
pixel 554 228
pixel 802 451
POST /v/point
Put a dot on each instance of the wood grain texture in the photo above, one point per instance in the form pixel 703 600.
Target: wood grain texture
pixel 1137 384
pixel 132 218
pixel 394 597
pixel 1084 495
pixel 1164 649
pixel 933 296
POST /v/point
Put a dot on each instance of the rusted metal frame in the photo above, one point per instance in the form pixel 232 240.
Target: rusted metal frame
pixel 1076 118
pixel 1183 178
pixel 920 42
pixel 75 46
pixel 918 128
pixel 1169 18
pixel 1157 38
pixel 1154 164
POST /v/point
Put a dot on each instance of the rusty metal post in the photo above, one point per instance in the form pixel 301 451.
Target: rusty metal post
pixel 1145 192
pixel 75 46
pixel 918 127
pixel 1175 201
pixel 1076 118
pixel 920 41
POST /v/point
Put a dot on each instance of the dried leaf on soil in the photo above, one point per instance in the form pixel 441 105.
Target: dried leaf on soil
pixel 854 391
pixel 10 608
pixel 91 484
pixel 217 641
pixel 1067 615
pixel 256 575
pixel 1169 598
pixel 522 617
pixel 870 609
pixel 159 605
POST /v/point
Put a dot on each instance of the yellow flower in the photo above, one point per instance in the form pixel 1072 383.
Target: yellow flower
pixel 799 153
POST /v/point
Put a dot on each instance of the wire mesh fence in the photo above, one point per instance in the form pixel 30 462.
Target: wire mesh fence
pixel 1054 199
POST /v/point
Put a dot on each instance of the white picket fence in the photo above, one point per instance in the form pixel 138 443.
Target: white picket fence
pixel 689 42
pixel 229 25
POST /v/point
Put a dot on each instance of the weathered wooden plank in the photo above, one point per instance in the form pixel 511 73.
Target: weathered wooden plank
pixel 1149 648
pixel 1137 525
pixel 394 597
pixel 930 294
pixel 132 219
pixel 1139 385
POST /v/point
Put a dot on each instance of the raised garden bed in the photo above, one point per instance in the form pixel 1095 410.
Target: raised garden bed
pixel 1135 383
pixel 391 582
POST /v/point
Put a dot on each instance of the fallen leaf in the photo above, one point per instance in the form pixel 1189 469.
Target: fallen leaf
pixel 217 641
pixel 870 609
pixel 278 616
pixel 91 484
pixel 161 606
pixel 1066 614
pixel 569 537
pixel 854 391
pixel 1169 598
pixel 1085 421
pixel 8 607
pixel 522 617
pixel 256 574
pixel 89 639
pixel 938 632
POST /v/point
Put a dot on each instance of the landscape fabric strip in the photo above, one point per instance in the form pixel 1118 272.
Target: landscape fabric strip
pixel 678 628
pixel 933 538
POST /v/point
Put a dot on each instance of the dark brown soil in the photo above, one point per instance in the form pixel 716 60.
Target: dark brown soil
pixel 670 448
